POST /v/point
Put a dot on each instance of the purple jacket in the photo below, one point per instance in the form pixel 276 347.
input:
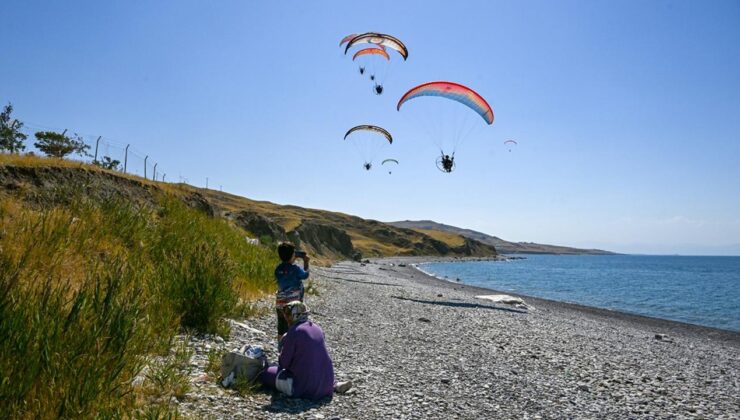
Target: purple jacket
pixel 304 355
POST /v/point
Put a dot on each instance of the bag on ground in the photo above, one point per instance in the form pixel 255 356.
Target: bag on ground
pixel 245 363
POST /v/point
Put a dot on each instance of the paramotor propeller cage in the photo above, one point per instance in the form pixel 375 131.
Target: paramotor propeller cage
pixel 441 165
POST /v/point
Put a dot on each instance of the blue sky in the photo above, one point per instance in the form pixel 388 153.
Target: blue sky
pixel 626 112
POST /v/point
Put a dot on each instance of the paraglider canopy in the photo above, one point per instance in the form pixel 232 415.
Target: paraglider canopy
pixel 453 91
pixel 368 140
pixel 374 128
pixel 371 51
pixel 389 161
pixel 347 39
pixel 510 143
pixel 379 39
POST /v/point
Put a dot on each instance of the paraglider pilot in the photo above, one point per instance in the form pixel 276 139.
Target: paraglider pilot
pixel 367 166
pixel 448 163
pixel 378 89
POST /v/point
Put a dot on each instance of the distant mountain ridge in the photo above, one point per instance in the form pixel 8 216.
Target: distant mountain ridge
pixel 502 246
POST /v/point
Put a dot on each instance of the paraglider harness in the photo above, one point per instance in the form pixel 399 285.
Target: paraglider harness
pixel 446 163
pixel 367 166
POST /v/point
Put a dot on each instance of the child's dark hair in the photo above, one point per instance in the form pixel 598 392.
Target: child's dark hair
pixel 286 251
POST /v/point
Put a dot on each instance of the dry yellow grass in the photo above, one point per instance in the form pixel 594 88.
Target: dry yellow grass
pixel 31 161
pixel 451 239
pixel 369 237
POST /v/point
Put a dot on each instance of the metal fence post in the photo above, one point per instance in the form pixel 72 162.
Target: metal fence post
pixel 125 159
pixel 154 175
pixel 164 176
pixel 145 159
pixel 96 148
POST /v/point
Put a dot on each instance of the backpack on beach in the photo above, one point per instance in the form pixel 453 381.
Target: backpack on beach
pixel 244 363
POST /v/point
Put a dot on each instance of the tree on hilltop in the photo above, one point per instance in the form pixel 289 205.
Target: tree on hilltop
pixel 60 145
pixel 11 138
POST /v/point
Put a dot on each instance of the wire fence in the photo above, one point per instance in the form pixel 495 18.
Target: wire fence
pixel 113 154
pixel 110 153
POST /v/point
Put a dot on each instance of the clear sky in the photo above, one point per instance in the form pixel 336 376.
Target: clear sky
pixel 627 113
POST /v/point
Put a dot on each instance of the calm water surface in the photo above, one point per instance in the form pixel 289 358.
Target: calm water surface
pixel 697 290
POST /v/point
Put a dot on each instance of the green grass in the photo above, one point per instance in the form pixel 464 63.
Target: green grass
pixel 213 367
pixel 170 376
pixel 89 291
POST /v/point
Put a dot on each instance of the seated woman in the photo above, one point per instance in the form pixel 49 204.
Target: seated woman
pixel 304 369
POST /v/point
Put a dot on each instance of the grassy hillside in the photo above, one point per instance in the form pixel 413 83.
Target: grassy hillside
pixel 94 286
pixel 506 247
pixel 328 235
pixel 447 237
pixel 99 271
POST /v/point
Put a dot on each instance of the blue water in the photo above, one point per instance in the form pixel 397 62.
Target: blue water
pixel 697 290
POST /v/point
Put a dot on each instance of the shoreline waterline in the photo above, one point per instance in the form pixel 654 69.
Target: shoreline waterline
pixel 656 322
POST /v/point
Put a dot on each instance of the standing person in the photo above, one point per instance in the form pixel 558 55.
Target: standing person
pixel 289 278
pixel 304 369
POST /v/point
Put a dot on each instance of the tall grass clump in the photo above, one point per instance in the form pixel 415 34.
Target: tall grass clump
pixel 90 290
pixel 206 267
pixel 70 337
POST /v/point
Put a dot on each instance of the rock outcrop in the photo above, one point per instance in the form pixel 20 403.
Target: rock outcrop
pixel 324 239
pixel 260 225
pixel 198 202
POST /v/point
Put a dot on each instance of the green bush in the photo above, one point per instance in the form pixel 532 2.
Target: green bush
pixel 89 290
pixel 202 262
pixel 66 352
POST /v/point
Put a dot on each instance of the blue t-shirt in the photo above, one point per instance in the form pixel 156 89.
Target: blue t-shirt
pixel 289 276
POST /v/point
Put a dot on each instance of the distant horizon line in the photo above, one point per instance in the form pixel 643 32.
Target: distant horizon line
pixel 627 254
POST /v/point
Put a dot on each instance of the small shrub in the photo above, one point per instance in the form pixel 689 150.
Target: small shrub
pixel 245 387
pixel 170 377
pixel 204 262
pixel 213 367
pixel 312 289
pixel 250 309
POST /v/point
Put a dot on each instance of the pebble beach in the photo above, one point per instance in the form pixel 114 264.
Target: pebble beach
pixel 417 347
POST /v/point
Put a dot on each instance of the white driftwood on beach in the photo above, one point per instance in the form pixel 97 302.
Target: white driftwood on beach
pixel 506 299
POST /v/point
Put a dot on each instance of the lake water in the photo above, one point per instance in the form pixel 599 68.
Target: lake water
pixel 697 290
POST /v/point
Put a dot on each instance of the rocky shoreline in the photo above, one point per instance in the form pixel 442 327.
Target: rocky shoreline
pixel 418 347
